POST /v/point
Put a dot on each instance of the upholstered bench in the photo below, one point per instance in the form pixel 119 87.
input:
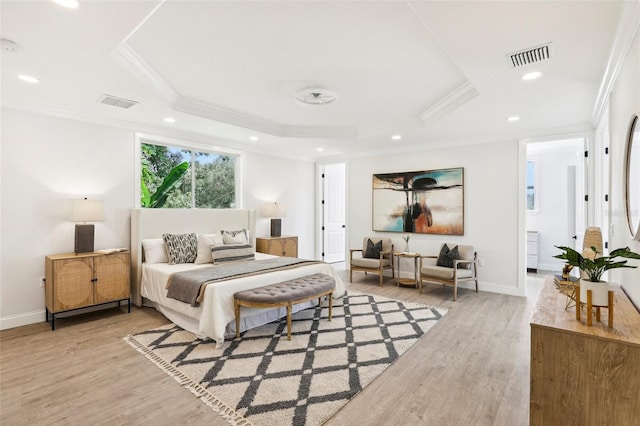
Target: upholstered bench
pixel 286 293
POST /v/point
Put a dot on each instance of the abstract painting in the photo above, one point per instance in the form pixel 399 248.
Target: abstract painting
pixel 426 202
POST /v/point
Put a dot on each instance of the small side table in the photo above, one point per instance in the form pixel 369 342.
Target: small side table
pixel 406 281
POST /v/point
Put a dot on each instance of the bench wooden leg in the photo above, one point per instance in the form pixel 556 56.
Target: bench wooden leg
pixel 237 309
pixel 289 321
pixel 330 304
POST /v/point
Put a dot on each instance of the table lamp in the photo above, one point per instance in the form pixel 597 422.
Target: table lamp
pixel 275 211
pixel 86 211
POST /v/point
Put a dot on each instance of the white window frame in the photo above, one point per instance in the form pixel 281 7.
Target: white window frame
pixel 141 138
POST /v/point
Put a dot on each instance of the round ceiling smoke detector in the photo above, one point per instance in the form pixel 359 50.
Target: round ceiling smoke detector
pixel 315 97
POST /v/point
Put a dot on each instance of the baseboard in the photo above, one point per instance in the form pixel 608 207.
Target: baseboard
pixel 19 320
pixel 482 286
pixel 492 288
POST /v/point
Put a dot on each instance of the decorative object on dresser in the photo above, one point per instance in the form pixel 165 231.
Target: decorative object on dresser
pixel 583 375
pixel 453 265
pixel 85 210
pixel 75 281
pixel 423 202
pixel 592 265
pixel 262 378
pixel 376 256
pixel 533 248
pixel 275 211
pixel 280 246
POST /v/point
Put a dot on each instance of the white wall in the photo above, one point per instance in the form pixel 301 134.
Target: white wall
pixel 46 161
pixel 270 179
pixel 551 219
pixel 490 205
pixel 624 101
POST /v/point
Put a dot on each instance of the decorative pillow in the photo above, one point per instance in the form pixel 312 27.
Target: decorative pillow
pixel 446 256
pixel 181 248
pixel 373 250
pixel 235 237
pixel 205 241
pixel 232 252
pixel 155 251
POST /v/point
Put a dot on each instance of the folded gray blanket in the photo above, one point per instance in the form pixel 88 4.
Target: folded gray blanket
pixel 188 286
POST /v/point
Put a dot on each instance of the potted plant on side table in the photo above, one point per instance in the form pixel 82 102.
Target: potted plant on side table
pixel 594 268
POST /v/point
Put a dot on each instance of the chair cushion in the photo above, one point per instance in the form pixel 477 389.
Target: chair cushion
pixel 444 273
pixel 370 263
pixel 447 256
pixel 372 250
pixel 386 243
pixel 466 253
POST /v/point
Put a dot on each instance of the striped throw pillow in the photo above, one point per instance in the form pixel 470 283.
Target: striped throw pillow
pixel 232 252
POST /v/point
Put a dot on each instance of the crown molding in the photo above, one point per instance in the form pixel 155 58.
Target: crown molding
pixel 217 113
pixel 131 60
pixel 444 106
pixel 136 127
pixel 628 24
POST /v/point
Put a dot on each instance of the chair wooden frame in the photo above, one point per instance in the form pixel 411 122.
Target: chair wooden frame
pixel 380 270
pixel 455 280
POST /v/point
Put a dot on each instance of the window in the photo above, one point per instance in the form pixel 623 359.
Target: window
pixel 181 177
pixel 532 196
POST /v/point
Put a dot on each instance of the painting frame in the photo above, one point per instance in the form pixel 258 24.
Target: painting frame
pixel 420 202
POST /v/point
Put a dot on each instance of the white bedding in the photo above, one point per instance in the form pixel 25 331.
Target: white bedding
pixel 215 316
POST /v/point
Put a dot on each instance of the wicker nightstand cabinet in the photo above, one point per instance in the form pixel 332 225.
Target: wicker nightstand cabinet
pixel 87 279
pixel 280 246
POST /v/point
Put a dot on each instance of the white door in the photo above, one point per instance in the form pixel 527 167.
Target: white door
pixel 333 213
pixel 577 189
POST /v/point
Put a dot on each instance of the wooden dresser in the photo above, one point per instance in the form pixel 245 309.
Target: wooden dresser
pixel 75 281
pixel 286 246
pixel 584 375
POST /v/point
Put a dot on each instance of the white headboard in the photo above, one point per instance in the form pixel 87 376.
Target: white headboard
pixel 152 223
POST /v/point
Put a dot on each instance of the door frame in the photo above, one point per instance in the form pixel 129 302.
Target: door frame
pixel 320 208
pixel 588 137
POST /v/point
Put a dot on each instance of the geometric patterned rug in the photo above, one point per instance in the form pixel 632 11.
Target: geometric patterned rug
pixel 262 378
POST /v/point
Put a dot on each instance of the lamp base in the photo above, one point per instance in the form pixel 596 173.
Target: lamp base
pixel 84 239
pixel 276 227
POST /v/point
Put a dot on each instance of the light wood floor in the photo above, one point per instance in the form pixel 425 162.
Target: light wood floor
pixel 472 368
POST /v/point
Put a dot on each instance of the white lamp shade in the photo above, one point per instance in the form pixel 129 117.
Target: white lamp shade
pixel 87 210
pixel 274 210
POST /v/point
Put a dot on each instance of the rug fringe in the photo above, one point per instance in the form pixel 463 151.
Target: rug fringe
pixel 205 396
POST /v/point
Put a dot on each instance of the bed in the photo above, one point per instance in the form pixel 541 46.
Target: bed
pixel 214 317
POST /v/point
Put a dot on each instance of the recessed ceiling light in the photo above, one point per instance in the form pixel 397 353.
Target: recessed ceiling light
pixel 396 137
pixel 169 120
pixel 253 138
pixel 319 149
pixel 28 78
pixel 71 4
pixel 531 75
pixel 513 118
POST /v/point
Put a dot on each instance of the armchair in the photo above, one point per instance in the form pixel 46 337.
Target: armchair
pixel 450 267
pixel 376 256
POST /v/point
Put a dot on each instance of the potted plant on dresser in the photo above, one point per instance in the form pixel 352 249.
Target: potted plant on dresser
pixel 594 268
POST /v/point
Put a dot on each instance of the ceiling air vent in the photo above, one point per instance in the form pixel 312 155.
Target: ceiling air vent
pixel 530 56
pixel 116 101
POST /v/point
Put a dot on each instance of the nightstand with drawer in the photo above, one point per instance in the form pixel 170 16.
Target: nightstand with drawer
pixel 286 246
